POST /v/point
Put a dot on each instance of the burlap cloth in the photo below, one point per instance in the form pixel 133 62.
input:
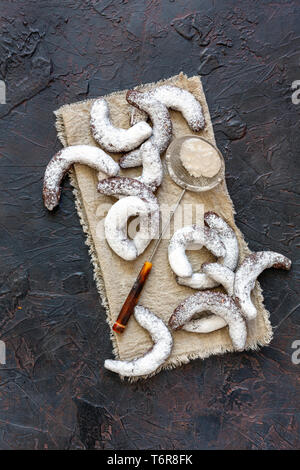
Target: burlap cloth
pixel 114 276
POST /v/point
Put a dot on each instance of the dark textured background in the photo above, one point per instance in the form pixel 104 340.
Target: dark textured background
pixel 54 392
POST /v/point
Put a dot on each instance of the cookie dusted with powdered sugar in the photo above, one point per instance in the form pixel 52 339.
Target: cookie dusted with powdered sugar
pixel 153 359
pixel 64 159
pixel 227 236
pixel 179 100
pixel 206 324
pixel 221 275
pixel 138 201
pixel 240 284
pixel 124 186
pixel 230 258
pixel 152 173
pixel 217 303
pixel 185 238
pixel 115 139
pixel 246 275
pixel 161 123
pixel 116 222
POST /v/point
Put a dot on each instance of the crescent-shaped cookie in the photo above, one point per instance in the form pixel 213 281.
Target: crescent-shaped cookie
pixel 152 173
pixel 206 324
pixel 186 237
pixel 217 303
pixel 111 138
pixel 228 237
pixel 116 221
pixel 221 275
pixel 124 186
pixel 154 358
pixel 64 159
pixel 138 201
pixel 161 122
pixel 246 275
pixel 178 99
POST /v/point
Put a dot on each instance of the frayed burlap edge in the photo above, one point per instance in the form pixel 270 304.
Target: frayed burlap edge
pixel 183 358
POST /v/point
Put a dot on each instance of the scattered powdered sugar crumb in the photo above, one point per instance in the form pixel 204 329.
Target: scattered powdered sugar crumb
pixel 153 359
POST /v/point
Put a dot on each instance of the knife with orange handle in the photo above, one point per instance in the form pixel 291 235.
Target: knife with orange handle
pixel 133 296
pixel 132 299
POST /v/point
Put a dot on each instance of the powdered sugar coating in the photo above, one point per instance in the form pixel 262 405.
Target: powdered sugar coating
pixel 153 359
pixel 114 139
pixel 217 303
pixel 206 324
pixel 227 236
pixel 230 259
pixel 63 160
pixel 180 100
pixel 221 275
pixel 124 186
pixel 137 115
pixel 161 122
pixel 152 174
pixel 246 275
pixel 139 201
pixel 198 281
pixel 116 227
pixel 188 236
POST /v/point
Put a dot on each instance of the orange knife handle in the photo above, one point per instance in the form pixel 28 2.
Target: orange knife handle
pixel 132 299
